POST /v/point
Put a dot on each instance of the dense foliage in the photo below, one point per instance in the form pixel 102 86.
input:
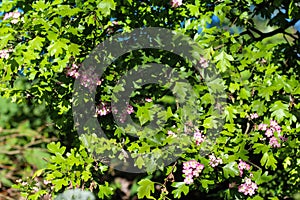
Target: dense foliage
pixel 254 48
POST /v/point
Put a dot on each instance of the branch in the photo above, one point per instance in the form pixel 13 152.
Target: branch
pixel 269 34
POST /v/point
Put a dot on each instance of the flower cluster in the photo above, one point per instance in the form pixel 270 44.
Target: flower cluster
pixel 248 188
pixel 14 15
pixel 213 161
pixel 103 109
pixel 243 165
pixel 87 79
pixel 129 109
pixel 198 137
pixel 176 3
pixel 148 100
pixel 5 53
pixel 269 132
pixel 274 142
pixel 191 169
pixel 203 62
pixel 171 133
pixel 253 116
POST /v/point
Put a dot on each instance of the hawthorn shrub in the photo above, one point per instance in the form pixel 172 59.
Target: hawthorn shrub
pixel 252 45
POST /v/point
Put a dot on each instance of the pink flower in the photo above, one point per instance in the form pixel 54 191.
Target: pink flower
pixel 14 21
pixel 277 128
pixel 188 180
pixel 4 54
pixel 15 15
pixel 176 3
pixel 214 161
pixel 269 132
pixel 254 116
pixel 203 62
pixel 148 100
pixel 103 109
pixel 7 16
pixel 274 142
pixel 198 137
pixel 130 109
pixel 115 23
pixel 243 165
pixel 262 127
pixel 191 169
pixel 248 188
pixel 171 133
pixel 273 123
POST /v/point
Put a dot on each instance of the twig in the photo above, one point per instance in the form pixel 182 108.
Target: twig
pixel 169 175
pixel 253 164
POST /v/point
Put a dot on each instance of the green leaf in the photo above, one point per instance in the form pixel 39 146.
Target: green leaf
pixel 36 43
pixel 210 122
pixel 245 75
pixel 143 114
pixel 231 169
pixel 86 175
pixel 56 48
pixel 205 183
pixel 223 61
pixel 257 197
pixel 258 147
pixel 230 112
pixel 105 190
pixel 268 160
pixel 139 162
pixel 106 6
pixel 194 10
pixel 260 178
pixel 55 148
pixel 58 183
pixel 145 189
pixel 279 110
pixel 40 5
pixel 74 49
pixel 181 188
pixel 244 94
pixel 36 157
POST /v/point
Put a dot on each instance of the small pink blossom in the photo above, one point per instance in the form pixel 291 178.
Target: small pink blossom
pixel 7 16
pixel 191 169
pixel 148 100
pixel 198 137
pixel 176 3
pixel 171 133
pixel 103 109
pixel 274 142
pixel 115 22
pixel 14 15
pixel 262 127
pixel 203 62
pixel 248 188
pixel 4 54
pixel 273 123
pixel 269 132
pixel 214 161
pixel 254 116
pixel 188 180
pixel 130 109
pixel 277 128
pixel 243 165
